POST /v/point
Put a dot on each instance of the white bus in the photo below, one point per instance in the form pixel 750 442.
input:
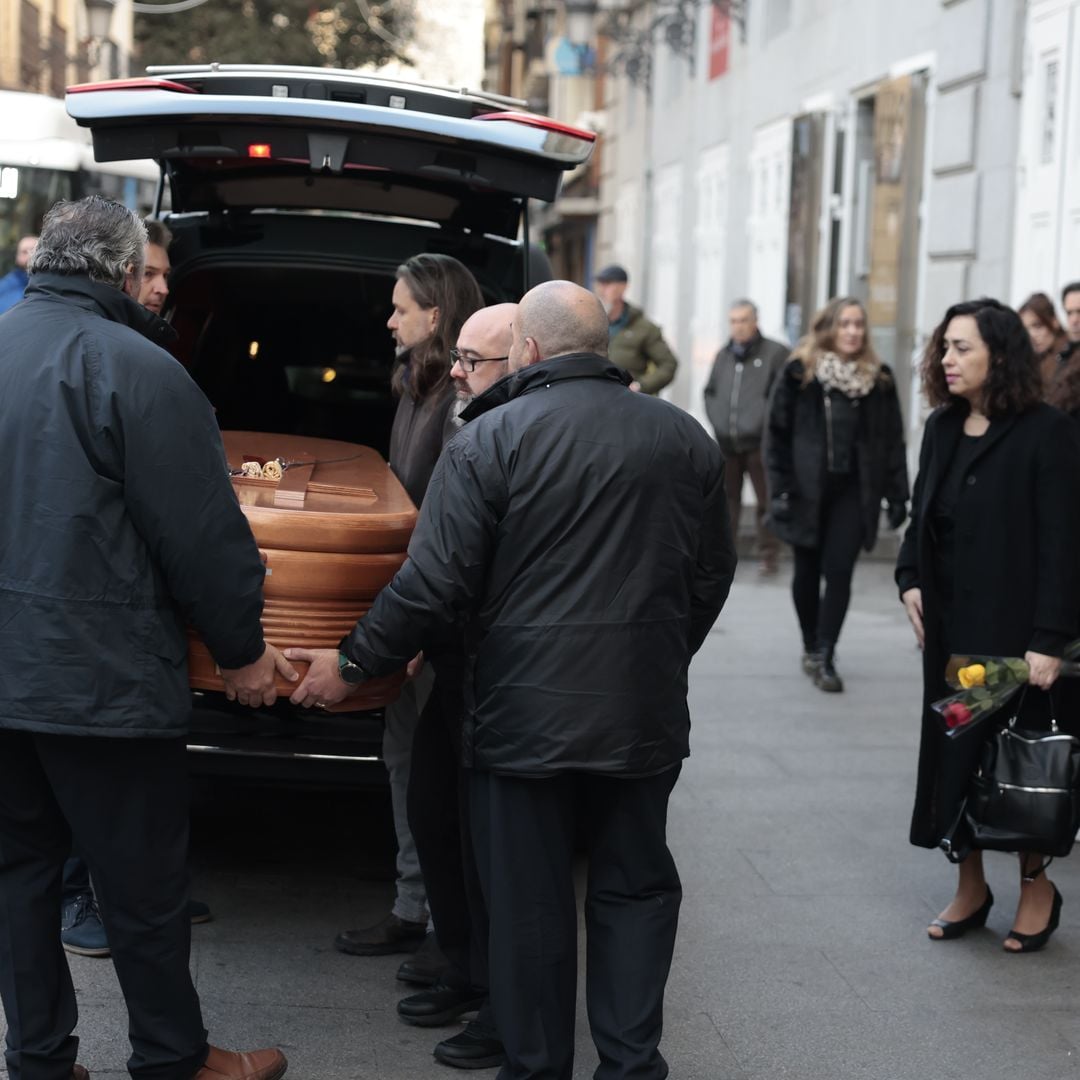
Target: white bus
pixel 45 156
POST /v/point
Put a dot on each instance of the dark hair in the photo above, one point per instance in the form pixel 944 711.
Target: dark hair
pixel 1073 286
pixel 157 233
pixel 1064 389
pixel 1013 384
pixel 1042 307
pixel 435 281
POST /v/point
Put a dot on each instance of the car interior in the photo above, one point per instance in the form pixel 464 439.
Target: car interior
pixel 286 331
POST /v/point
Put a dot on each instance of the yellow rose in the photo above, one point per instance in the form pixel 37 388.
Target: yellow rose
pixel 972 675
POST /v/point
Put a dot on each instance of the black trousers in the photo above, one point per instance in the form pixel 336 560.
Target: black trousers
pixel 821 617
pixel 439 823
pixel 525 831
pixel 124 805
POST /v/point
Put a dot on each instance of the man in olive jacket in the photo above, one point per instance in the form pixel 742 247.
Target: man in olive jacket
pixel 578 646
pixel 636 344
pixel 118 525
pixel 737 404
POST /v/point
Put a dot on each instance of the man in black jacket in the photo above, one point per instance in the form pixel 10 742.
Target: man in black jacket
pixel 118 525
pixel 579 532
pixel 737 402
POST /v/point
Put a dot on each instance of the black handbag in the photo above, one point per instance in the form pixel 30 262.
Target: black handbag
pixel 1025 794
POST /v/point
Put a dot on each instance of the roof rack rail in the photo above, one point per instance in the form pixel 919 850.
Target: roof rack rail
pixel 334 74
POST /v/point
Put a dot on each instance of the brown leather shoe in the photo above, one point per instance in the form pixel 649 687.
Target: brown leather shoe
pixel 254 1065
pixel 78 1072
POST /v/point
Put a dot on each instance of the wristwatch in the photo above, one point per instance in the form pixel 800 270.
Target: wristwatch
pixel 350 673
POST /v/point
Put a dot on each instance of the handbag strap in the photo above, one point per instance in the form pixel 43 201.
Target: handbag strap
pixel 1053 709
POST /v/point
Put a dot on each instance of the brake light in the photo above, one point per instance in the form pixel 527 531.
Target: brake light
pixel 132 84
pixel 261 150
pixel 544 122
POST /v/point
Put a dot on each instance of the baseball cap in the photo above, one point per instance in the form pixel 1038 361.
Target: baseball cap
pixel 614 272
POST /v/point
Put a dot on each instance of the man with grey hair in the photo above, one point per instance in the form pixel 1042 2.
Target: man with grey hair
pixel 736 401
pixel 580 534
pixel 118 526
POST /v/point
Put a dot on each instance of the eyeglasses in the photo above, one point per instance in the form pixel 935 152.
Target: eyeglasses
pixel 469 362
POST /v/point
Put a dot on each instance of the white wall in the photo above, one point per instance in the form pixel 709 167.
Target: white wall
pixel 829 52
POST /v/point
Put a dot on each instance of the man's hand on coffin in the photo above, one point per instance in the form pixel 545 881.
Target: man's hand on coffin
pixel 254 685
pixel 322 685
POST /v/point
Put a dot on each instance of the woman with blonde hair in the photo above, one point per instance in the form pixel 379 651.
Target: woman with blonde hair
pixel 834 452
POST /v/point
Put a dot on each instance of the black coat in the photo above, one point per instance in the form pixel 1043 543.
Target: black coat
pixel 796 454
pixel 118 522
pixel 1016 578
pixel 579 532
pixel 417 437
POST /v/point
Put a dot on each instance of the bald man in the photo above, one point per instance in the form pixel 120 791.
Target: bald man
pixel 437 796
pixel 482 354
pixel 580 533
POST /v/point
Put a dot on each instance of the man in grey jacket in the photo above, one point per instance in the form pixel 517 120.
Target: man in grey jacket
pixel 736 400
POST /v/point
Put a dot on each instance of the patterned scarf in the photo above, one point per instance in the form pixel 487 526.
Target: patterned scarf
pixel 846 376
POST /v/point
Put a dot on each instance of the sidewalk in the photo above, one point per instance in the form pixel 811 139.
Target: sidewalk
pixel 802 950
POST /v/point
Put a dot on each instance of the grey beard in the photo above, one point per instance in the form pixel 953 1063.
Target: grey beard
pixel 457 408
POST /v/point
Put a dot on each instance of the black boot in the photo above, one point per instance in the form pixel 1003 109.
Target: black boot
pixel 811 661
pixel 826 676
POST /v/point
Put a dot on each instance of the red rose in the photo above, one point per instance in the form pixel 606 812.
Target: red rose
pixel 957 715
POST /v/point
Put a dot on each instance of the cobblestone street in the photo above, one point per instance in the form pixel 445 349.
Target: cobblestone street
pixel 802 950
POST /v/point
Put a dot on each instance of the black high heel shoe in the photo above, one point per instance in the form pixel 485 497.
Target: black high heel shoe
pixel 950 930
pixel 1034 942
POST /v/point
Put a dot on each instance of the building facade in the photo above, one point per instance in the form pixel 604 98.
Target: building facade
pixel 1046 242
pixel 792 150
pixel 46 45
pixel 548 58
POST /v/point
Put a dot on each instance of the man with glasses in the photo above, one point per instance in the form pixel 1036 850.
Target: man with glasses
pixel 577 648
pixel 437 797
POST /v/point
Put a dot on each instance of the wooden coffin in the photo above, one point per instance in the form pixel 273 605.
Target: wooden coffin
pixel 332 523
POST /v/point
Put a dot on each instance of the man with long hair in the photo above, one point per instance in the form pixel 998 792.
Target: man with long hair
pixel 432 298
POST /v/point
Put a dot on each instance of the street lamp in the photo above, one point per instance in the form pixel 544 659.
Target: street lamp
pixel 580 16
pixel 99 15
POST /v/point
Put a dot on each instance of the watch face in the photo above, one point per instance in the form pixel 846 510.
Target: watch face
pixel 350 672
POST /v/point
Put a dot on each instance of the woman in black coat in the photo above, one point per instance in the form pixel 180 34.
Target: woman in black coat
pixel 834 450
pixel 990 564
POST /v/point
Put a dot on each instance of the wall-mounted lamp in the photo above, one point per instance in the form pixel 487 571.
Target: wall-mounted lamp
pixel 99 15
pixel 674 23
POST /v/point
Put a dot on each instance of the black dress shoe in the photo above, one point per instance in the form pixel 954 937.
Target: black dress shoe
pixel 477 1047
pixel 441 1004
pixel 391 935
pixel 426 966
pixel 951 930
pixel 1034 942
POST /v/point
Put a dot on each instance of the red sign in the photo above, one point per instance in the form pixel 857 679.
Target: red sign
pixel 719 42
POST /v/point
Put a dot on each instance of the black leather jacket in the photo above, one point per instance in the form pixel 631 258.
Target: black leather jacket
pixel 578 532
